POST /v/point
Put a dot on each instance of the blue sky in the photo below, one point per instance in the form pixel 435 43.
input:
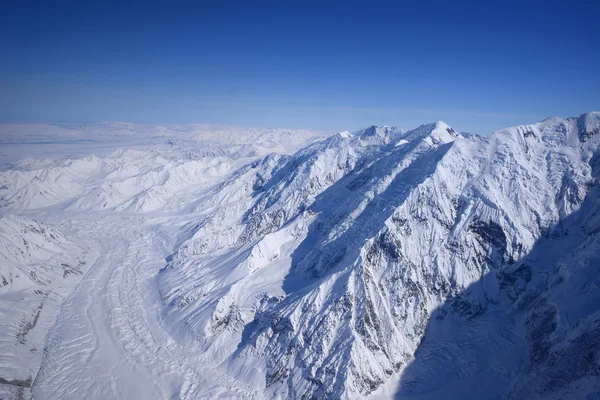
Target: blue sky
pixel 479 66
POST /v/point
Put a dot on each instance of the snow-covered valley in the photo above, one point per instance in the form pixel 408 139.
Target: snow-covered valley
pixel 194 262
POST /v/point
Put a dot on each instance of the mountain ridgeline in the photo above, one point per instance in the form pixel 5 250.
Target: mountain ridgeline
pixel 348 268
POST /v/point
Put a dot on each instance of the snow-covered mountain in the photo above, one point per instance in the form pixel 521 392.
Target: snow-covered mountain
pixel 318 273
pixel 58 172
pixel 160 162
pixel 193 141
pixel 408 264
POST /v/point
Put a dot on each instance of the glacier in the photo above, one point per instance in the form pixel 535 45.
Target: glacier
pixel 211 262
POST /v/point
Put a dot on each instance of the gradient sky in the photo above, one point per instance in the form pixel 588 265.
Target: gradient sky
pixel 479 66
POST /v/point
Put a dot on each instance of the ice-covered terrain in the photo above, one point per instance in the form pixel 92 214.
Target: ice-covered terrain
pixel 421 264
pixel 60 182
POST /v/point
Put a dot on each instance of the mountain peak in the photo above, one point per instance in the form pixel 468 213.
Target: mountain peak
pixel 433 133
pixel 588 125
pixel 441 125
pixel 377 135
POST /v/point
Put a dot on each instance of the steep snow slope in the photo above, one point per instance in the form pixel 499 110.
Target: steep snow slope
pixel 38 267
pixel 316 275
pixel 536 333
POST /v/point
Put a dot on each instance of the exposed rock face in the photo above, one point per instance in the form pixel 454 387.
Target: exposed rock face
pixel 321 271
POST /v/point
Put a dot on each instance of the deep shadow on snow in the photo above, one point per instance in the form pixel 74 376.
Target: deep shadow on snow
pixel 524 331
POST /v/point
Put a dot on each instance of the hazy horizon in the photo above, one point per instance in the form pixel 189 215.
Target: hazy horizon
pixel 479 67
pixel 71 124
